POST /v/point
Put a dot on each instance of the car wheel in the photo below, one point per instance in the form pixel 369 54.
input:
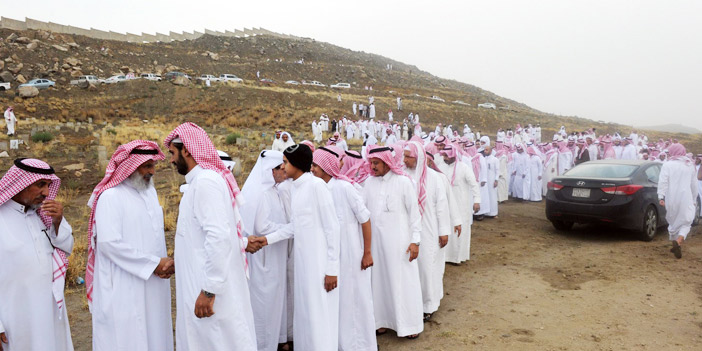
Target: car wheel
pixel 562 225
pixel 650 224
pixel 2 88
pixel 698 205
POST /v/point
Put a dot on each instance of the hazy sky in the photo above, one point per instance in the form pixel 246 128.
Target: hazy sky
pixel 634 62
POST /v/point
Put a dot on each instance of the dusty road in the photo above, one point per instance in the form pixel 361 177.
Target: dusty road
pixel 529 287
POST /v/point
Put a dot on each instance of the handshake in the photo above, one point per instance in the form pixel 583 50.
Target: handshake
pixel 165 268
pixel 255 243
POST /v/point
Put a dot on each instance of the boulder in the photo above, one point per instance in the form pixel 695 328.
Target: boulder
pixel 33 45
pixel 76 73
pixel 87 85
pixel 6 76
pixel 72 61
pixel 4 154
pixel 74 167
pixel 180 80
pixel 23 40
pixel 2 65
pixel 20 79
pixel 12 37
pixel 59 48
pixel 16 68
pixel 28 92
pixel 73 45
pixel 125 69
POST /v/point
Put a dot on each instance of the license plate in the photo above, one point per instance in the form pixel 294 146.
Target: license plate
pixel 580 192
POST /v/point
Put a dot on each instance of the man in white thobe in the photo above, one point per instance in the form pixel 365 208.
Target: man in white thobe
pixel 520 163
pixel 356 318
pixel 10 120
pixel 629 150
pixel 130 291
pixel 262 214
pixel 493 174
pixel 34 242
pixel 397 226
pixel 534 188
pixel 436 226
pixel 466 191
pixel 315 229
pixel 550 168
pixel 354 107
pixel 212 291
pixel 677 192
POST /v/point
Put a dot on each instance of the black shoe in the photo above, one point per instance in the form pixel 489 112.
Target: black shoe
pixel 676 250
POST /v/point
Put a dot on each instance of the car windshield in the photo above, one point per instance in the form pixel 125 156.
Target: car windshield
pixel 602 170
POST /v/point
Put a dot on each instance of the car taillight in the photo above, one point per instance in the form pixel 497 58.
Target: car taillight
pixel 553 186
pixel 622 189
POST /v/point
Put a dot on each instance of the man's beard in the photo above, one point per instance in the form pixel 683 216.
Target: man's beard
pixel 138 182
pixel 181 166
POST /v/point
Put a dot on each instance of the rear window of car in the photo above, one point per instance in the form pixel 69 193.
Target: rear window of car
pixel 602 170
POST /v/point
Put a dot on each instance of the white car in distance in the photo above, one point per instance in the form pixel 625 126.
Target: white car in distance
pixel 313 83
pixel 151 76
pixel 434 97
pixel 341 86
pixel 292 82
pixel 229 78
pixel 116 79
pixel 461 102
pixel 488 105
pixel 204 77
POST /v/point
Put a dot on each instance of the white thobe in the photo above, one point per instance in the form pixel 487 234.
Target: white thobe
pixel 503 180
pixel 436 221
pixel 677 184
pixel 629 152
pixel 521 168
pixel 484 189
pixel 315 229
pixel 10 120
pixel 208 257
pixel 278 143
pixel 493 173
pixel 268 267
pixel 128 299
pixel 356 318
pixel 396 223
pixel 550 170
pixel 466 191
pixel 565 161
pixel 371 114
pixel 536 170
pixel 618 149
pixel 354 108
pixel 593 150
pixel 29 316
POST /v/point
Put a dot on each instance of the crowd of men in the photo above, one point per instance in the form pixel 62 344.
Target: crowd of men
pixel 324 248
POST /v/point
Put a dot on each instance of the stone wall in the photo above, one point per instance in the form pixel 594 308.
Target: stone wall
pixel 29 23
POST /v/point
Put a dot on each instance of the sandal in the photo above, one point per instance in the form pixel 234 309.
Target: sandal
pixel 412 337
pixel 427 317
pixel 378 332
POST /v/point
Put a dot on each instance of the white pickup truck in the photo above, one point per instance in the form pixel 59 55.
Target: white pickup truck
pixel 151 76
pixel 89 79
pixel 4 86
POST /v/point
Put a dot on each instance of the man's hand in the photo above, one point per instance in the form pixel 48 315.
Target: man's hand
pixel 494 185
pixel 476 207
pixel 53 209
pixel 255 243
pixel 539 177
pixel 523 175
pixel 366 261
pixel 3 339
pixel 482 184
pixel 165 268
pixel 457 230
pixel 662 203
pixel 413 250
pixel 329 283
pixel 204 306
pixel 514 173
pixel 443 240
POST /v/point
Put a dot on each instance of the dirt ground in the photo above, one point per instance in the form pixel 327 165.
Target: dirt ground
pixel 529 287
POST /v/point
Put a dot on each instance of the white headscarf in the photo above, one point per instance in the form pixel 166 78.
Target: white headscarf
pixel 259 181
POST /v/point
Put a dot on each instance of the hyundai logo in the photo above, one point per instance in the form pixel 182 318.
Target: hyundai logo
pixel 581 183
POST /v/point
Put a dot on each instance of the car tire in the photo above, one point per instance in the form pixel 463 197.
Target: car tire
pixel 649 227
pixel 698 205
pixel 562 225
pixel 2 88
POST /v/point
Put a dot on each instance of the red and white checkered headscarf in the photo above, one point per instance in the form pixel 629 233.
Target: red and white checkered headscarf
pixel 19 177
pixel 328 158
pixel 450 152
pixel 205 154
pixel 387 155
pixel 124 161
pixel 419 173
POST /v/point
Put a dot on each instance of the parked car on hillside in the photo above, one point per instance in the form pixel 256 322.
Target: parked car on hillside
pixel 267 81
pixel 341 86
pixel 172 75
pixel 293 82
pixel 617 192
pixel 230 78
pixel 313 83
pixel 204 77
pixel 434 97
pixel 5 86
pixel 151 76
pixel 460 102
pixel 488 105
pixel 39 83
pixel 116 79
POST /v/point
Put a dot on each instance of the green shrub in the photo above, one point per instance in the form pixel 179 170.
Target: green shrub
pixel 231 138
pixel 42 137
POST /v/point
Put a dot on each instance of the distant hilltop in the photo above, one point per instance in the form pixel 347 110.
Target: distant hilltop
pixel 673 128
